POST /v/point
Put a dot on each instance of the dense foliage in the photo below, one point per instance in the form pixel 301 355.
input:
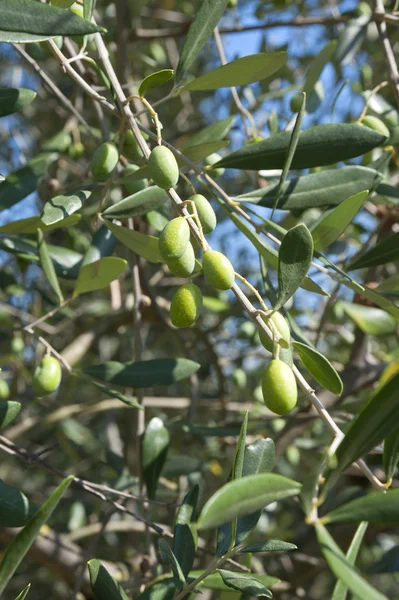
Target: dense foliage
pixel 199 250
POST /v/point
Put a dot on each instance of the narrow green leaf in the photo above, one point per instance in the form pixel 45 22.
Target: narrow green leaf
pixel 341 590
pixel 213 133
pixel 242 71
pixel 115 394
pixel 161 590
pixel 137 204
pixel 215 581
pixel 383 253
pixel 97 275
pixel 376 508
pixel 140 243
pixel 47 266
pixel 185 537
pixel 320 368
pixel 28 16
pixel 334 224
pixel 388 563
pixel 155 448
pixel 102 244
pixel 103 585
pixel 372 295
pixel 317 146
pixel 391 284
pixel 351 38
pixel 201 151
pixel 294 260
pixel 316 67
pixel 247 583
pixel 60 207
pixel 167 557
pixel 391 454
pixel 153 81
pixel 206 19
pixel 15 508
pixel 24 593
pixel 244 496
pixel 342 568
pixel 148 373
pixel 269 546
pixel 378 419
pixel 369 319
pixel 8 411
pixel 14 99
pixel 32 224
pixel 23 182
pixel 25 538
pixel 238 464
pixel 329 187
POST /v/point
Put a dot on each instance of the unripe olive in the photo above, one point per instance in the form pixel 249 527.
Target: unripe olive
pixel 279 388
pixel 376 124
pixel 136 185
pixel 76 150
pixel 184 265
pixel 240 378
pixel 206 214
pixel 47 376
pixel 17 345
pixel 218 270
pixel 211 160
pixel 174 238
pixel 186 305
pixel 131 147
pixel 4 389
pixel 282 327
pixel 232 3
pixel 296 103
pixel 163 167
pixel 104 161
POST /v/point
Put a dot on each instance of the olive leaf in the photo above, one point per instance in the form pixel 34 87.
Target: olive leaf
pixel 341 590
pixel 14 99
pixel 47 266
pixel 103 585
pixel 319 367
pixel 153 81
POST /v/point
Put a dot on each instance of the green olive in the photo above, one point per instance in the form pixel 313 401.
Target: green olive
pixel 282 327
pixel 131 147
pixel 17 345
pixel 211 160
pixel 206 214
pixel 218 270
pixel 186 305
pixel 76 150
pixel 184 265
pixel 296 103
pixel 232 3
pixel 279 387
pixel 47 376
pixel 4 389
pixel 174 239
pixel 376 124
pixel 164 170
pixel 239 378
pixel 135 185
pixel 104 161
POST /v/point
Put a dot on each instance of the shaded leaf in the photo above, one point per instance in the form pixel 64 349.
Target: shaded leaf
pixel 8 411
pixel 317 65
pixel 140 243
pixel 244 496
pixel 342 568
pixel 369 319
pixel 206 19
pixel 25 538
pixel 185 538
pixel 161 590
pixel 155 448
pixel 15 508
pixel 213 133
pixel 167 557
pixel 381 254
pixel 388 563
pixel 148 373
pixel 24 593
pixel 99 274
pixel 319 367
pixel 247 583
pixel 334 224
pixel 201 151
pixel 341 590
pixel 23 182
pixel 32 224
pixel 30 17
pixel 242 71
pixel 351 39
pixel 115 394
pixel 151 82
pixel 269 546
pixel 88 7
pixel 103 585
pixel 376 508
pixel 61 207
pixel 329 187
pixel 137 204
pixel 391 454
pixel 317 146
pixel 102 244
pixel 215 581
pixel 47 266
pixel 294 259
pixel 14 99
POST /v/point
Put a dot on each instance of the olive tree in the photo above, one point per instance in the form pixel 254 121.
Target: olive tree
pixel 199 245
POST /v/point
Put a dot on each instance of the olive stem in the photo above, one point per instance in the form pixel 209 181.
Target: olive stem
pixel 253 290
pixel 153 113
pixel 195 216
